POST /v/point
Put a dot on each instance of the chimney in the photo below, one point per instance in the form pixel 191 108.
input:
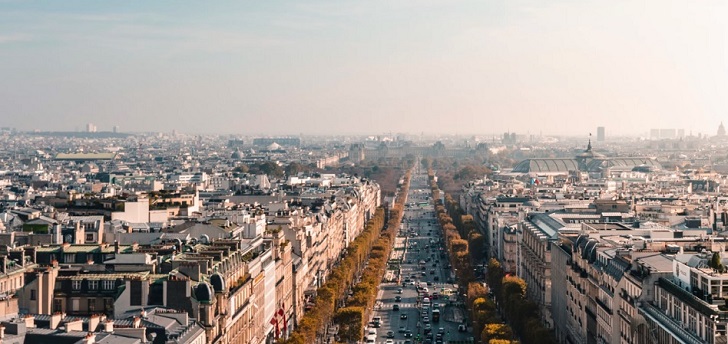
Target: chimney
pixel 109 326
pixel 137 322
pixel 89 339
pixel 29 321
pixel 54 263
pixel 2 332
pixel 74 325
pixel 93 322
pixel 56 320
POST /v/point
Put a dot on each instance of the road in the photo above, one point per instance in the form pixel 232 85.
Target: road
pixel 419 240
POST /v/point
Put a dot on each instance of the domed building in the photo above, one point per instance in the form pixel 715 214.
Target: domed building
pixel 587 161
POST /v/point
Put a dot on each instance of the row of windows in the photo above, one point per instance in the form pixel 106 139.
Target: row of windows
pixel 94 284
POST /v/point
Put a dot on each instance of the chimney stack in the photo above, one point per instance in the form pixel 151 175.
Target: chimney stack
pixel 74 325
pixel 93 322
pixel 109 326
pixel 56 320
pixel 2 332
pixel 137 322
pixel 29 321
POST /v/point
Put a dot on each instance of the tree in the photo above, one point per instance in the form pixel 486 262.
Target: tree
pixel 476 242
pixel 496 331
pixel 495 275
pixel 715 262
pixel 502 341
pixel 295 168
pixel 351 323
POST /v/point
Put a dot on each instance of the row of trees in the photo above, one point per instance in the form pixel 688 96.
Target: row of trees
pixel 521 313
pixel 352 319
pixel 339 281
pixel 455 226
pixel 483 310
pixel 369 249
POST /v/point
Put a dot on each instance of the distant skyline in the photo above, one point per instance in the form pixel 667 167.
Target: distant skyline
pixel 560 67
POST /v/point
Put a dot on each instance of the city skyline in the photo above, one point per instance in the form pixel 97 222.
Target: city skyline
pixel 557 67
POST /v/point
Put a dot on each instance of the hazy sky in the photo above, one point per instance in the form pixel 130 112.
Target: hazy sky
pixel 336 66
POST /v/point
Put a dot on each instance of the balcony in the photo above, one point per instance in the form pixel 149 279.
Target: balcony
pixel 673 328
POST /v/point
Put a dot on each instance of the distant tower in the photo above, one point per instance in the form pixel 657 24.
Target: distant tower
pixel 600 134
pixel 116 129
pixel 90 128
pixel 721 129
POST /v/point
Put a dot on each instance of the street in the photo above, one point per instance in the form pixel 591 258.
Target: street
pixel 423 275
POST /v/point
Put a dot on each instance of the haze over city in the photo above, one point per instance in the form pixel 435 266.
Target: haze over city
pixel 350 67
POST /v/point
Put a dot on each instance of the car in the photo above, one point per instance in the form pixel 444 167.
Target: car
pixel 399 291
pixel 402 329
pixel 390 334
pixel 432 272
pixel 408 334
pixel 424 268
pixel 428 327
pixel 403 316
pixel 398 298
pixel 424 273
pixel 376 324
pixel 389 341
pixel 462 328
pixel 395 307
pixel 434 264
pixel 436 278
pixel 429 283
pixel 426 320
pixel 441 331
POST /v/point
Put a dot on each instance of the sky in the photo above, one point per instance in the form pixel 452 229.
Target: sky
pixel 557 67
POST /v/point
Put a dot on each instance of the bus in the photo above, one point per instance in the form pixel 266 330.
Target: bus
pixel 435 315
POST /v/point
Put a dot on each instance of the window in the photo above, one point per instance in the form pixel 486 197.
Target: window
pixel 108 284
pixel 93 285
pixel 33 295
pixel 76 285
pixel 58 305
pixel 75 303
pixel 89 237
pixel 91 305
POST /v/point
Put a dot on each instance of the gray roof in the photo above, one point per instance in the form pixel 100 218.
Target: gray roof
pixel 598 164
pixel 546 165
